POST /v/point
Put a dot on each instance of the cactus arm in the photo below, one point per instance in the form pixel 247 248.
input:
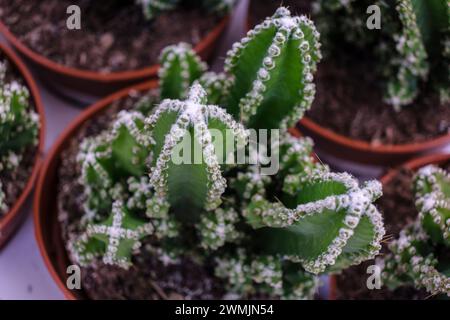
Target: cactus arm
pixel 180 67
pixel 117 153
pixel 244 61
pixel 129 144
pixel 115 238
pixel 199 183
pixel 18 125
pixel 272 69
pixel 411 64
pixel 420 255
pixel 412 261
pixel 432 21
pixel 432 191
pixel 324 226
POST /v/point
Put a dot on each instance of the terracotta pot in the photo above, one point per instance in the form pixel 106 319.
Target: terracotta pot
pixel 413 165
pixel 96 84
pixel 362 152
pixel 47 228
pixel 14 217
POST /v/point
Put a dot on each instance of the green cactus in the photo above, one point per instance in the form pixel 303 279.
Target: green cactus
pixel 420 256
pixel 180 67
pixel 264 235
pixel 411 47
pixel 152 8
pixel 272 70
pixel 19 126
pixel 189 186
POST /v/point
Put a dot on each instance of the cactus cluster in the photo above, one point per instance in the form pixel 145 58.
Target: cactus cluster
pixel 411 48
pixel 421 255
pixel 18 126
pixel 267 235
pixel 152 8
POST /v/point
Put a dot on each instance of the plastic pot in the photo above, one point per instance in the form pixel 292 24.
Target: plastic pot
pixel 15 216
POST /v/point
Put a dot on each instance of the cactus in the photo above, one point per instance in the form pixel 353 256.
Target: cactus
pixel 272 70
pixel 411 47
pixel 151 8
pixel 420 256
pixel 180 67
pixel 18 126
pixel 263 235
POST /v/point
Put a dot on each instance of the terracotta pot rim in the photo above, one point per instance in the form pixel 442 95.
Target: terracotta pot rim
pixel 364 146
pixel 14 212
pixel 149 72
pixel 413 164
pixel 47 166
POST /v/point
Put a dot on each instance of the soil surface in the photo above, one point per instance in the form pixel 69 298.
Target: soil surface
pixel 398 209
pixel 114 35
pixel 13 182
pixel 148 278
pixel 347 89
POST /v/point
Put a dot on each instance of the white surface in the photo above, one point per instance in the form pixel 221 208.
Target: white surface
pixel 23 274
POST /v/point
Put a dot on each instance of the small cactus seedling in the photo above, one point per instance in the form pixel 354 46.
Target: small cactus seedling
pixel 420 256
pixel 152 8
pixel 262 234
pixel 18 126
pixel 412 46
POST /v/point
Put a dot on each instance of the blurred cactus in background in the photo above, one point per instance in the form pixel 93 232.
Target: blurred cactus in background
pixel 264 235
pixel 152 8
pixel 411 48
pixel 19 126
pixel 421 255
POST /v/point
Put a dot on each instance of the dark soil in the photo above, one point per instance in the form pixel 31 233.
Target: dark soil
pixel 148 278
pixel 397 206
pixel 13 182
pixel 114 35
pixel 347 89
pixel 260 9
